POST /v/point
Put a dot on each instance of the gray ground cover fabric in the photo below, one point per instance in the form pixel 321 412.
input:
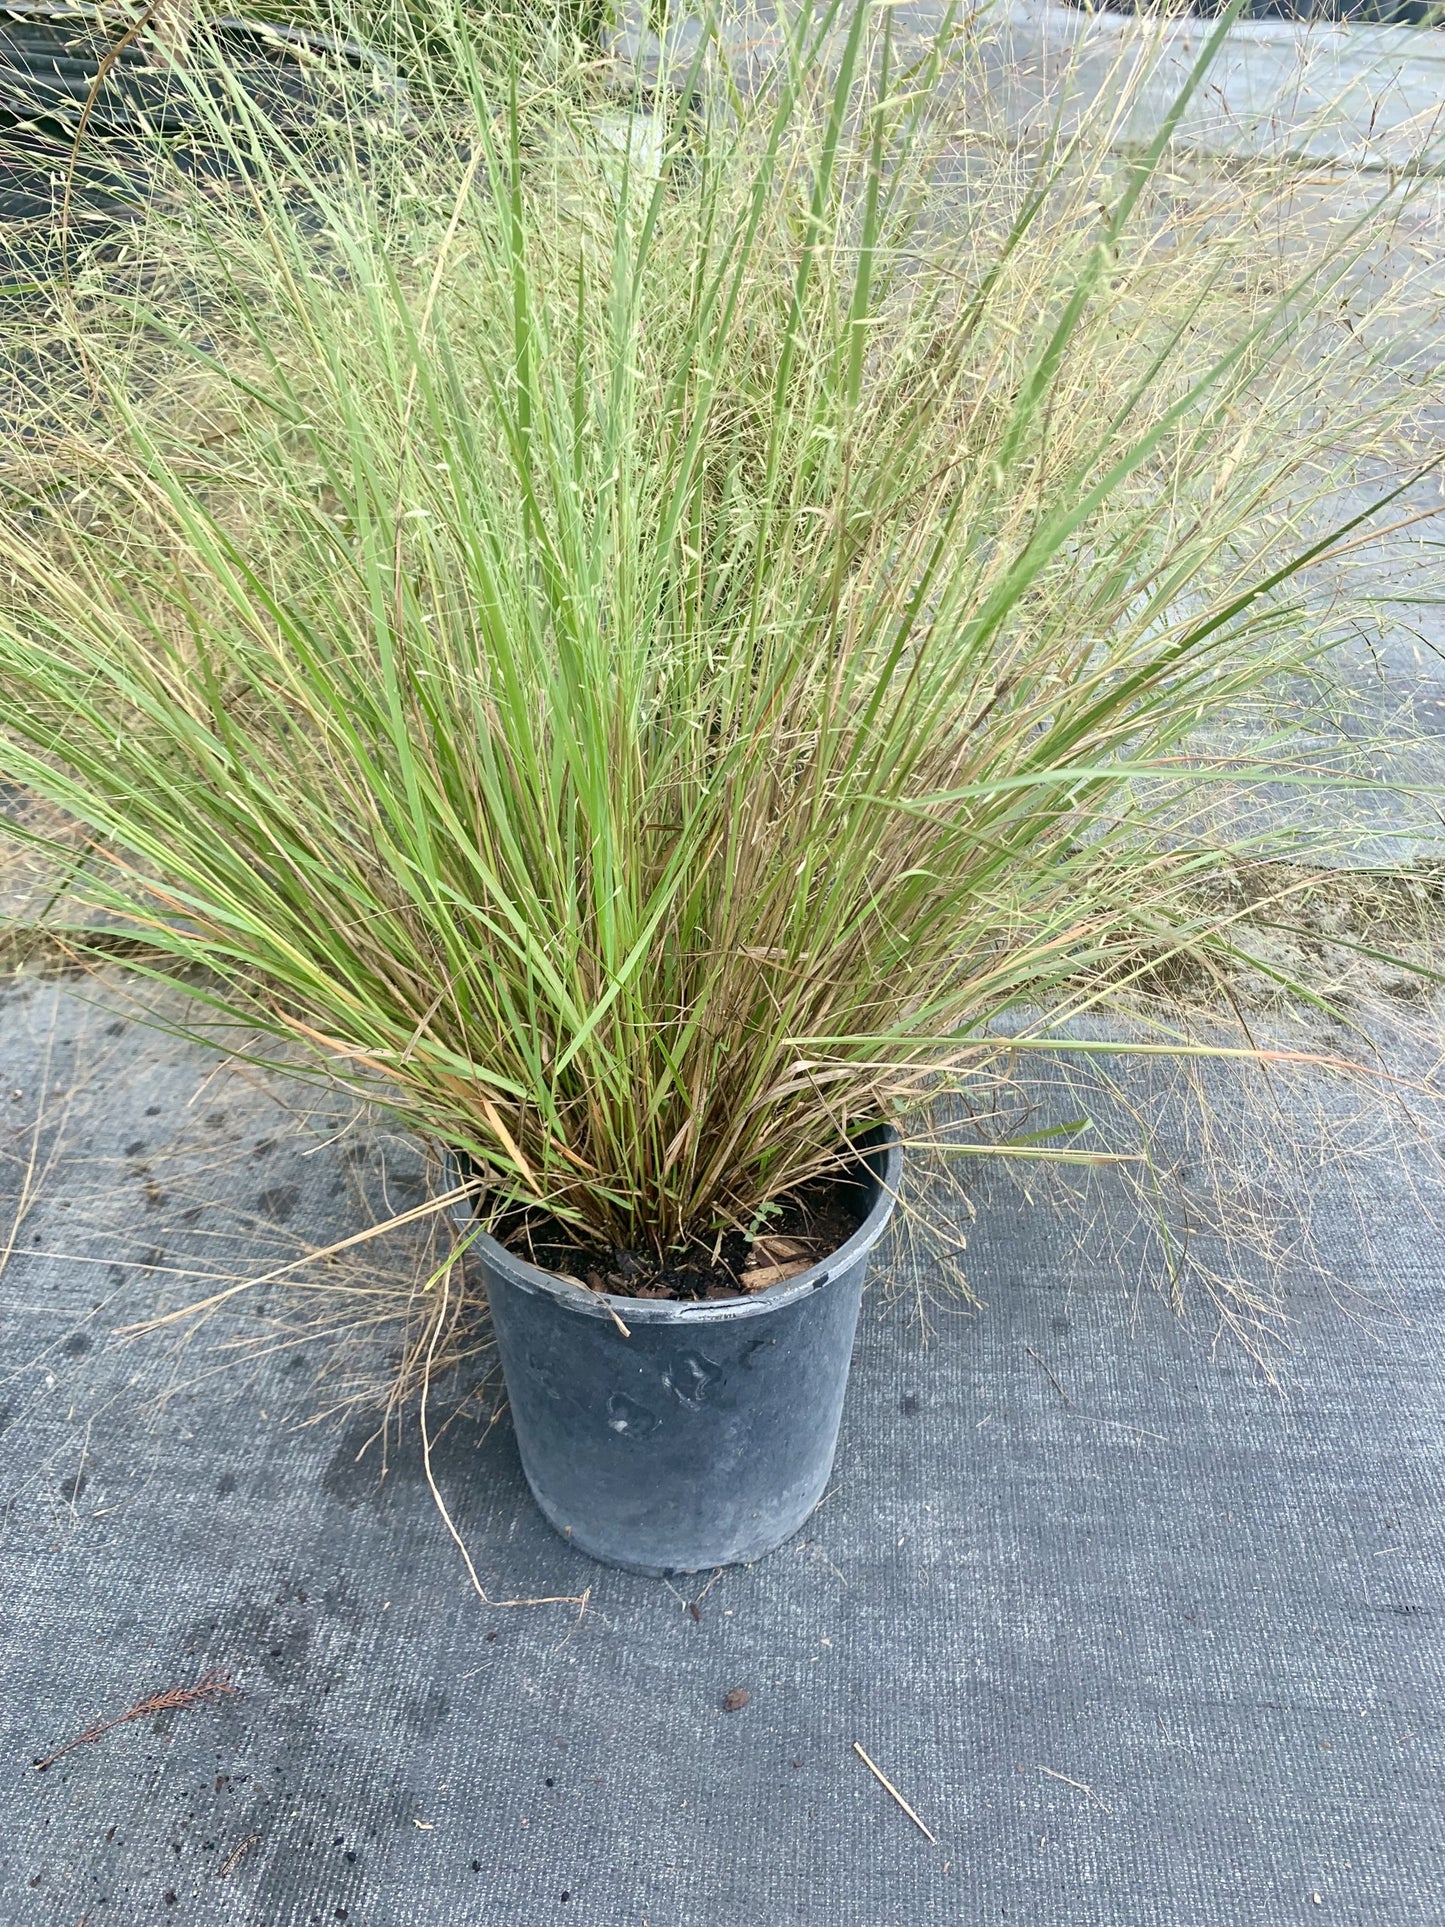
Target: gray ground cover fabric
pixel 1142 1640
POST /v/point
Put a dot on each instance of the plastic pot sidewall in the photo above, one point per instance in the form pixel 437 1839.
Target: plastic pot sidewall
pixel 706 1436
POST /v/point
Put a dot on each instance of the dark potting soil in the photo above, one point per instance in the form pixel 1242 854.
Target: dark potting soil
pixel 801 1228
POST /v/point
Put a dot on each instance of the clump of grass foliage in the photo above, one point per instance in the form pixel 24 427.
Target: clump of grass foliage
pixel 649 640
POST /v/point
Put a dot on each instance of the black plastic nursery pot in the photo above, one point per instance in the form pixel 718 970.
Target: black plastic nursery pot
pixel 665 1435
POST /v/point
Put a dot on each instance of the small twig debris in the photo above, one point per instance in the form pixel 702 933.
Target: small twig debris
pixel 1048 1375
pixel 1079 1785
pixel 889 1787
pixel 237 1854
pixel 215 1684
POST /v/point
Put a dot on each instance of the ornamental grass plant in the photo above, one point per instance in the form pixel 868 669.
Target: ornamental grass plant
pixel 651 633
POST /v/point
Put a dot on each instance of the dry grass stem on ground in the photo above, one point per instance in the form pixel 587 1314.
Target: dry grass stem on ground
pixel 210 1686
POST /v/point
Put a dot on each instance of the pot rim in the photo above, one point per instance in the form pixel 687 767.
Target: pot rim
pixel 612 1306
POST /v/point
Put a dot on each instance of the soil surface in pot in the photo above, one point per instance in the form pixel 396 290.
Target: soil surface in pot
pixel 800 1229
